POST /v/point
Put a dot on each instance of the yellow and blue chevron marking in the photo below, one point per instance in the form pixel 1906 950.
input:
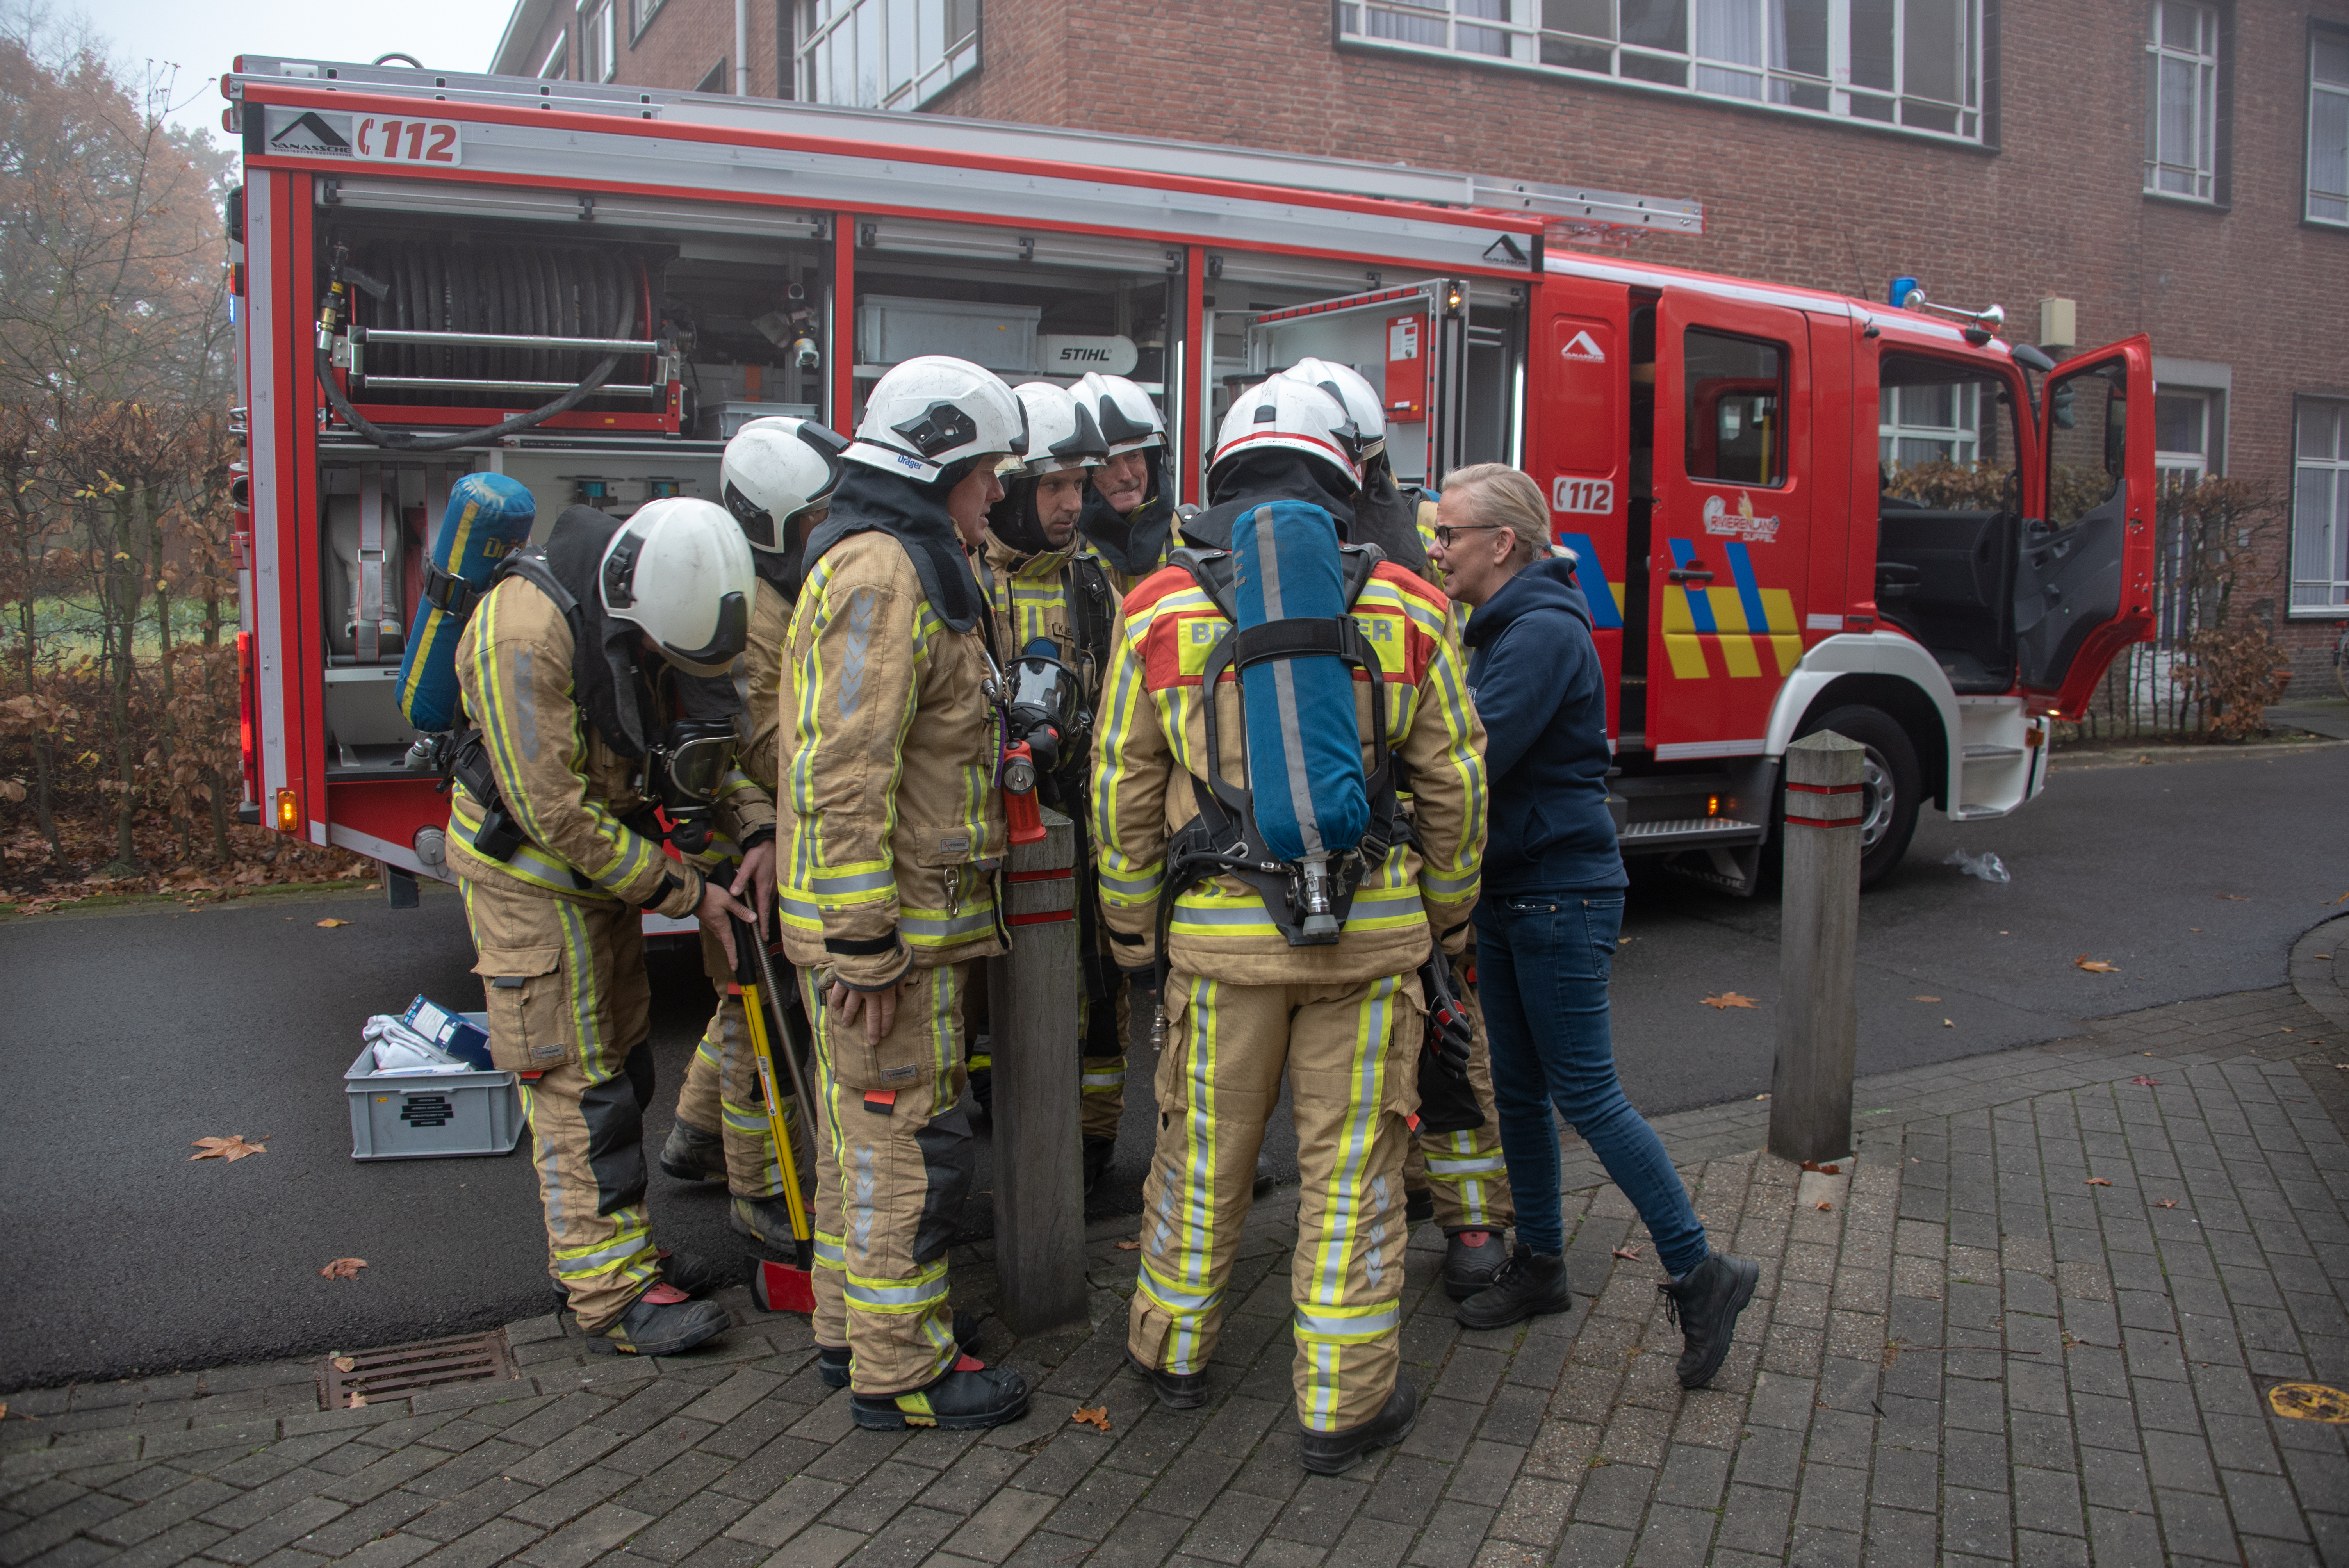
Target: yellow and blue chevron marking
pixel 1605 609
pixel 1736 619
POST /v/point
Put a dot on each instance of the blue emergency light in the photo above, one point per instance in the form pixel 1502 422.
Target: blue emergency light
pixel 1901 289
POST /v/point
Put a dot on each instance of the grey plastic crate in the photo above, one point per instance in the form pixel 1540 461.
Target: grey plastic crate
pixel 431 1115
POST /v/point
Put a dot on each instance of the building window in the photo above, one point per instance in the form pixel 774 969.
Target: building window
pixel 1912 63
pixel 2328 127
pixel 714 80
pixel 2185 436
pixel 2181 95
pixel 599 56
pixel 886 54
pixel 2320 509
pixel 1933 422
pixel 640 15
pixel 558 59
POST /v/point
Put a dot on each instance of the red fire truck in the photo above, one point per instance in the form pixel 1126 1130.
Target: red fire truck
pixel 1794 509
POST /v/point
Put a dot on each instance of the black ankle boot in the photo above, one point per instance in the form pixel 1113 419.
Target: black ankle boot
pixel 1334 1453
pixel 1525 1285
pixel 1097 1153
pixel 959 1401
pixel 1705 1303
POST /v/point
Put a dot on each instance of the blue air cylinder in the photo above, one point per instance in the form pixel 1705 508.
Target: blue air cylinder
pixel 1304 744
pixel 488 518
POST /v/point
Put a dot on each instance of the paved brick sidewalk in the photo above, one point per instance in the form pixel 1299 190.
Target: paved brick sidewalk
pixel 1962 1350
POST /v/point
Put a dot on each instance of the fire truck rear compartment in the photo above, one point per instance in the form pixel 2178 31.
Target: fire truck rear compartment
pixel 728 310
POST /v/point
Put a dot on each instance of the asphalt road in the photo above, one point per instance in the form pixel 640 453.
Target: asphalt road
pixel 129 1035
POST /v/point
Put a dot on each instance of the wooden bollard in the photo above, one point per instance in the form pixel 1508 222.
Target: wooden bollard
pixel 1818 940
pixel 1032 996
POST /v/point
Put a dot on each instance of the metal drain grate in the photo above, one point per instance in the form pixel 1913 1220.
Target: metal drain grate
pixel 393 1371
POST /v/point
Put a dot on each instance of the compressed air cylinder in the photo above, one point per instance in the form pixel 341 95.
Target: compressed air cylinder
pixel 1304 746
pixel 488 518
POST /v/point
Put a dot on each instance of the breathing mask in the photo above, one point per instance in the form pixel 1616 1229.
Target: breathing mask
pixel 689 762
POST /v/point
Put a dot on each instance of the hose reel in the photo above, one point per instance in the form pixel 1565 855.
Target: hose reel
pixel 429 329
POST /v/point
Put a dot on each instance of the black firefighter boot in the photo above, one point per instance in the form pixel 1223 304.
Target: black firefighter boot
pixel 1334 1453
pixel 965 1398
pixel 1175 1390
pixel 766 1220
pixel 693 1155
pixel 1525 1285
pixel 1705 1303
pixel 695 1276
pixel 1471 1260
pixel 1099 1152
pixel 663 1321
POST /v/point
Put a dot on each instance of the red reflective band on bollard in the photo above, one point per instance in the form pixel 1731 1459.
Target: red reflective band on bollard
pixel 1048 918
pixel 1825 789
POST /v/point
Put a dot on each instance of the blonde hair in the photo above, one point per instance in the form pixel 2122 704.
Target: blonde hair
pixel 1496 492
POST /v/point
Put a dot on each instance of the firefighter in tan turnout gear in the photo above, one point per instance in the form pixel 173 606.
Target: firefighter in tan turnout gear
pixel 777 478
pixel 1051 595
pixel 1319 967
pixel 1130 512
pixel 1456 1175
pixel 595 673
pixel 895 830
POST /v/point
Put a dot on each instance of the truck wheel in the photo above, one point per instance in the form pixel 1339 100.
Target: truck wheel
pixel 1891 786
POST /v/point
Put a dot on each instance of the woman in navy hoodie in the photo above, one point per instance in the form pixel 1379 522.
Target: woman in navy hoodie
pixel 1546 923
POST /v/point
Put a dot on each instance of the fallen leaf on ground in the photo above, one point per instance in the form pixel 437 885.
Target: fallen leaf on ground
pixel 2234 898
pixel 1928 998
pixel 232 1149
pixel 344 1363
pixel 2144 1082
pixel 1767 1096
pixel 2289 1030
pixel 1098 1415
pixel 2095 966
pixel 358 1401
pixel 2166 1204
pixel 1948 1025
pixel 344 1268
pixel 1729 999
pixel 2098 1181
pixel 330 924
pixel 1822 1170
pixel 2331 901
pixel 1825 1205
pixel 1629 1254
pixel 1128 1246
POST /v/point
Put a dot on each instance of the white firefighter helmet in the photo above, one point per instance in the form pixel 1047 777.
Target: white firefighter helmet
pixel 775 469
pixel 1352 388
pixel 1295 416
pixel 933 411
pixel 1129 421
pixel 681 572
pixel 1062 431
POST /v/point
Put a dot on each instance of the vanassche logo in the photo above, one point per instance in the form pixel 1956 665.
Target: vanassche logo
pixel 311 134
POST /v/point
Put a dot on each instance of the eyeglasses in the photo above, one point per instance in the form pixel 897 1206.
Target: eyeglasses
pixel 1445 531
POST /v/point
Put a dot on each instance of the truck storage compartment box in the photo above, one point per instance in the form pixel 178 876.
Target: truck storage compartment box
pixel 1002 337
pixel 429 1116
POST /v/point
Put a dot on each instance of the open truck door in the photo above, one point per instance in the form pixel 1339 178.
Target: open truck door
pixel 2084 583
pixel 1412 342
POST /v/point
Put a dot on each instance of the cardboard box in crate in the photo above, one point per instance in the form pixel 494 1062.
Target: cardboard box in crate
pixel 428 1115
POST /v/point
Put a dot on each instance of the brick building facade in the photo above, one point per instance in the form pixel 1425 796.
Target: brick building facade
pixel 2175 168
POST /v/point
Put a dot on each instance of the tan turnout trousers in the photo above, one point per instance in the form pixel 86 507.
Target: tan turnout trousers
pixel 1349 1052
pixel 569 1008
pixel 894 1144
pixel 723 1094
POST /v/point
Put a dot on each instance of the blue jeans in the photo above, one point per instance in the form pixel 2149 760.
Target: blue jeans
pixel 1542 967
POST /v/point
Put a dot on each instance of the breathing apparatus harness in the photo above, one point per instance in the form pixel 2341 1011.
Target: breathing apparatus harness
pixel 683 767
pixel 1309 900
pixel 1044 709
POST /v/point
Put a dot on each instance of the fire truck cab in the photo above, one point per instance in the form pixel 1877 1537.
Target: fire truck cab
pixel 1793 510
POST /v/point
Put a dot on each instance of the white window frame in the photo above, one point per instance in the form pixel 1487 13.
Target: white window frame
pixel 2320 532
pixel 640 16
pixel 599 51
pixel 1963 438
pixel 884 54
pixel 2334 98
pixel 2181 466
pixel 2198 57
pixel 558 59
pixel 1512 32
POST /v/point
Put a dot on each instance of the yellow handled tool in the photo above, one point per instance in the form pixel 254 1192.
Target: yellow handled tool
pixel 778 1287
